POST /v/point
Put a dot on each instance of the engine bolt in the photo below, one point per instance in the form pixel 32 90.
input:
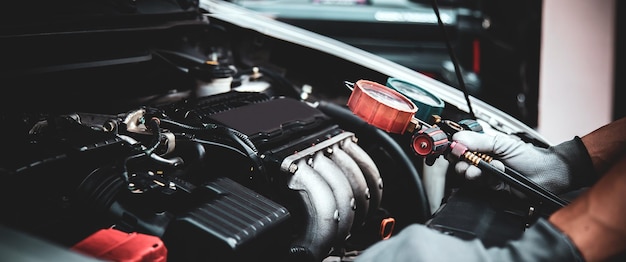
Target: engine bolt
pixel 293 168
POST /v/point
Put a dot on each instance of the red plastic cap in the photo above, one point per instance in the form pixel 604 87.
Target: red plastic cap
pixel 115 245
pixel 430 141
pixel 381 106
pixel 423 145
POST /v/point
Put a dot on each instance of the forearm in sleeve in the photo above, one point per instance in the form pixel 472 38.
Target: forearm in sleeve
pixel 541 242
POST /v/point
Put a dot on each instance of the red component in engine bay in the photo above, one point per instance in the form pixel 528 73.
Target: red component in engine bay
pixel 116 245
pixel 381 106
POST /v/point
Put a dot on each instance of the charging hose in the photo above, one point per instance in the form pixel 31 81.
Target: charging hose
pixel 509 176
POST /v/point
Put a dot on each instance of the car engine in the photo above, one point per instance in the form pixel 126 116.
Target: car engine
pixel 222 142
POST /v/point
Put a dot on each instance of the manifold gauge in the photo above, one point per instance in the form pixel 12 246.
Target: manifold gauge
pixel 427 103
pixel 381 106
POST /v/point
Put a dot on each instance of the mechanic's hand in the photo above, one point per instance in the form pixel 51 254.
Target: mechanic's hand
pixel 546 167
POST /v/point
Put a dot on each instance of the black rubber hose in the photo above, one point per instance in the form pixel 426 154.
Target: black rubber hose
pixel 510 176
pixel 360 126
pixel 153 125
pixel 536 189
pixel 524 185
pixel 245 144
pixel 238 136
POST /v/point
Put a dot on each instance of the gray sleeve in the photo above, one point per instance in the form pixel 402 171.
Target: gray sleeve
pixel 541 242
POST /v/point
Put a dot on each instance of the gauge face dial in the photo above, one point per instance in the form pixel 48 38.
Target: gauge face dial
pixel 416 94
pixel 388 97
pixel 381 106
pixel 427 103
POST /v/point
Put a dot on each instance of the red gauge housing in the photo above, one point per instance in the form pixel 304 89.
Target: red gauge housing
pixel 381 106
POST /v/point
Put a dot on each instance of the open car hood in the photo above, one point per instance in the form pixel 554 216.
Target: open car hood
pixel 47 37
pixel 67 16
pixel 212 132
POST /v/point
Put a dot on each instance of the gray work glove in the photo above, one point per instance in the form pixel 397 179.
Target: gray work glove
pixel 559 168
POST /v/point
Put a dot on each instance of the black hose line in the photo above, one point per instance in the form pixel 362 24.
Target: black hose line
pixel 153 125
pixel 524 185
pixel 536 189
pixel 246 146
pixel 510 176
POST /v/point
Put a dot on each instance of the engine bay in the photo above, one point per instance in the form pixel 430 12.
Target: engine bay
pixel 223 142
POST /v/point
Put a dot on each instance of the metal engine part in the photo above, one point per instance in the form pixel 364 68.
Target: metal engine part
pixel 337 173
pixel 336 182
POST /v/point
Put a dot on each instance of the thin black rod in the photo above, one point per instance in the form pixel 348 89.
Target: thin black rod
pixel 455 62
